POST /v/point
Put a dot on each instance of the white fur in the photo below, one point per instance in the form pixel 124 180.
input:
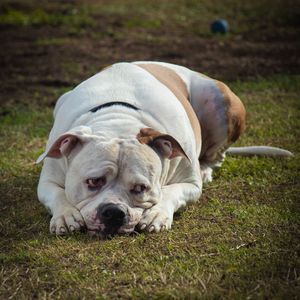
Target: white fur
pixel 104 144
pixel 112 138
pixel 259 151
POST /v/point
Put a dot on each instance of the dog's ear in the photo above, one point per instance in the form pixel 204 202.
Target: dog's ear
pixel 164 144
pixel 66 143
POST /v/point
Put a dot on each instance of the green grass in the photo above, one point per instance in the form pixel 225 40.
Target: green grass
pixel 70 17
pixel 192 15
pixel 239 241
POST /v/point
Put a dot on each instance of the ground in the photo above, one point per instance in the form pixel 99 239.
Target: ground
pixel 241 240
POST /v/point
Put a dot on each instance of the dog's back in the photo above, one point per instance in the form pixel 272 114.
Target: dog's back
pixel 219 111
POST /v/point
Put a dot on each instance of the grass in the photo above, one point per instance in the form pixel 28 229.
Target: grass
pixel 239 241
pixel 190 15
pixel 70 17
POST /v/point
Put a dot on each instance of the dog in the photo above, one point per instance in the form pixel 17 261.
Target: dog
pixel 133 144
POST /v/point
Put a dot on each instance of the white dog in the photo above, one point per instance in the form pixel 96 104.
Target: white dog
pixel 133 144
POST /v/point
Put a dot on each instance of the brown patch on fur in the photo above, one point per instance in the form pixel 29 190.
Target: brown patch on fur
pixel 147 135
pixel 176 85
pixel 236 113
pixel 150 137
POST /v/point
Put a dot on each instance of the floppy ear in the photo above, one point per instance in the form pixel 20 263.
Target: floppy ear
pixel 66 143
pixel 164 144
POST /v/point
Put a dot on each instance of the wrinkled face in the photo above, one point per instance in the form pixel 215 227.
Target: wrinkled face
pixel 111 183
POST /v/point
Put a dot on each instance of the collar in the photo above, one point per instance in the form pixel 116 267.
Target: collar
pixel 108 104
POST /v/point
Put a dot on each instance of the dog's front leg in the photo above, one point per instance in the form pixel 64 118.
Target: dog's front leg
pixel 65 217
pixel 174 196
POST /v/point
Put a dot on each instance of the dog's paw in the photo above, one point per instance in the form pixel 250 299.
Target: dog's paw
pixel 206 174
pixel 156 219
pixel 67 221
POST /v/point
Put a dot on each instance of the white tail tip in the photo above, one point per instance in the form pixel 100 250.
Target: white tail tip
pixel 259 151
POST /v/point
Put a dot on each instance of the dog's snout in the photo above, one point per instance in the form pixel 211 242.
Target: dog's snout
pixel 112 215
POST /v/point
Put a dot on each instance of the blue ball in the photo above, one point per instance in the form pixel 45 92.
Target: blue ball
pixel 219 26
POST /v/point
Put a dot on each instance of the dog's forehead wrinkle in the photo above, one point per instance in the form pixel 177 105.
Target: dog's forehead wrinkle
pixel 135 156
pixel 101 150
pixel 135 178
pixel 138 164
pixel 95 159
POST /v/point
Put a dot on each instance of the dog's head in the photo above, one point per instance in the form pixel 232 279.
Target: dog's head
pixel 113 182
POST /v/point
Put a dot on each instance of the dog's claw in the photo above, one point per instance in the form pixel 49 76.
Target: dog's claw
pixel 151 228
pixel 70 220
pixel 62 230
pixel 156 219
pixel 143 226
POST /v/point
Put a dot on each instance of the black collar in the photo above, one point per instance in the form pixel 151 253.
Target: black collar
pixel 108 104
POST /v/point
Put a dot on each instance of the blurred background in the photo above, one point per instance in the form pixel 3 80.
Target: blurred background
pixel 49 46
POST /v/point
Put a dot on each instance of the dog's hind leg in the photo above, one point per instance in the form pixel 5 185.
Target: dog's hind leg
pixel 207 167
pixel 222 118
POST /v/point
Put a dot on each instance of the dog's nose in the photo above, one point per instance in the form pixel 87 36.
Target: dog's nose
pixel 112 215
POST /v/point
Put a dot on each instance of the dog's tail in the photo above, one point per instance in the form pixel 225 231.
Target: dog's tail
pixel 259 151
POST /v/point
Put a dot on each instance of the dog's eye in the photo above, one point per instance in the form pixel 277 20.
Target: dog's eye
pixel 139 189
pixel 96 183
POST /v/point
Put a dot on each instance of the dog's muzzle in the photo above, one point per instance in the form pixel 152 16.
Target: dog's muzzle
pixel 113 216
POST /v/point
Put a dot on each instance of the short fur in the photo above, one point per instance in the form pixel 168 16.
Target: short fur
pixel 144 161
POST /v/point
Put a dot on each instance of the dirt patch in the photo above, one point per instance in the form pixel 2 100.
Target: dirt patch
pixel 41 58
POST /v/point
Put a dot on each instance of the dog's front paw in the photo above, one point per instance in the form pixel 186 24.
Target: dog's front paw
pixel 66 221
pixel 157 218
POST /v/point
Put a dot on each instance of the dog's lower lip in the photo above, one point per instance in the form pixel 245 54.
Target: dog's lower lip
pixel 104 232
pixel 93 232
